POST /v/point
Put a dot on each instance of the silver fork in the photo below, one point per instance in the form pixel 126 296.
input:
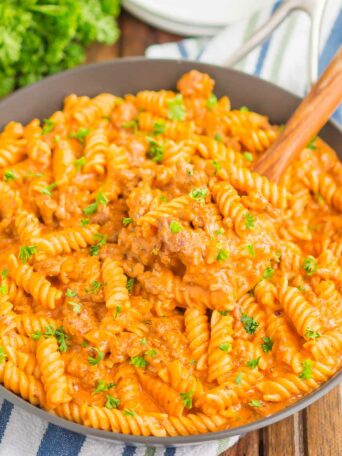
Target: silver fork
pixel 314 8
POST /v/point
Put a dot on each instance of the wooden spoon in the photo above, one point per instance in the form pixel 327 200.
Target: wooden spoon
pixel 310 116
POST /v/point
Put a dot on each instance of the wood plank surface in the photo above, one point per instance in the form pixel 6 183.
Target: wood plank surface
pixel 316 431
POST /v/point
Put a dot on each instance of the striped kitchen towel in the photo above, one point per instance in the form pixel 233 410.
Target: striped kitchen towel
pixel 281 59
pixel 24 434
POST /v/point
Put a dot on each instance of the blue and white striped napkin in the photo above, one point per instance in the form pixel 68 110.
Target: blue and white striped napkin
pixel 281 59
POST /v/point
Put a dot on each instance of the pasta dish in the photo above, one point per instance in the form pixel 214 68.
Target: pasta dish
pixel 150 282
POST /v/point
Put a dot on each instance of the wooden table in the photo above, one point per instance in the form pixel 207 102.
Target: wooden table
pixel 316 431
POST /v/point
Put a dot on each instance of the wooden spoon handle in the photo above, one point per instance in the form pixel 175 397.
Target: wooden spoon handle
pixel 310 116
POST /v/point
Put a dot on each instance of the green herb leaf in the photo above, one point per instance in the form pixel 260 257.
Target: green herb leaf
pixel 238 379
pixel 131 124
pixel 244 109
pixel 218 137
pixel 91 209
pixel 152 353
pixel 212 101
pixel 177 109
pixel 4 273
pixel 310 265
pixel 249 323
pixel 187 398
pixel 3 355
pixel 3 289
pixel 102 199
pixel 254 403
pixel 159 127
pixel 248 156
pixel 249 221
pixel 95 287
pixel 138 361
pixel 117 311
pixel 199 194
pixel 76 306
pixel 103 386
pixel 311 144
pixel 48 190
pixel 70 293
pixel 25 252
pixel 143 341
pixel 175 227
pixel 267 344
pixel 306 373
pixel 85 222
pixel 80 135
pixel 9 175
pixel 250 248
pixel 216 166
pixel 80 162
pixel 62 339
pixel 222 255
pixel 93 361
pixel 36 335
pixel 253 363
pixel 226 347
pixel 111 402
pixel 268 273
pixel 224 313
pixel 126 221
pixel 156 150
pixel 129 412
pixel 311 334
pixel 130 284
pixel 219 232
pixel 47 126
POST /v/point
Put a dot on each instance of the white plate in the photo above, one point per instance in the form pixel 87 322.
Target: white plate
pixel 193 17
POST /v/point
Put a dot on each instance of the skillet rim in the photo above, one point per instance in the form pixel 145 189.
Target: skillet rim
pixel 130 439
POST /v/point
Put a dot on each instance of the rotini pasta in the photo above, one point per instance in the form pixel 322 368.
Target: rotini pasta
pixel 151 283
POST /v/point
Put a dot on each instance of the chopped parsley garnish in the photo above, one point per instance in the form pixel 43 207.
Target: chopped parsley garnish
pixel 306 373
pixel 268 273
pixel 156 150
pixel 130 284
pixel 248 156
pixel 311 334
pixel 253 363
pixel 129 412
pixel 177 109
pixel 3 355
pixel 244 109
pixel 3 289
pixel 100 240
pixel 47 126
pixel 216 166
pixel 254 403
pixel 175 227
pixel 238 379
pixel 134 124
pixel 159 127
pixel 163 198
pixel 92 208
pixel 138 361
pixel 267 344
pixel 218 137
pixel 95 360
pixel 50 331
pixel 76 306
pixel 4 273
pixel 80 162
pixel 226 347
pixel 85 344
pixel 48 190
pixel 187 399
pixel 70 293
pixel 117 311
pixel 250 249
pixel 311 144
pixel 310 265
pixel 95 287
pixel 249 323
pixel 103 386
pixel 85 222
pixel 9 175
pixel 111 402
pixel 224 313
pixel 301 288
pixel 199 194
pixel 152 353
pixel 212 101
pixel 249 221
pixel 126 221
pixel 102 199
pixel 222 255
pixel 143 341
pixel 80 135
pixel 219 232
pixel 26 251
pixel 36 335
